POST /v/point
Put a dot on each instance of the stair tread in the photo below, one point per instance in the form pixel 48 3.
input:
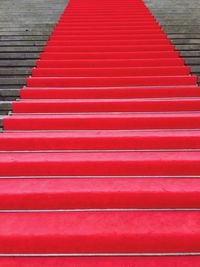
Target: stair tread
pixel 99 193
pixel 108 92
pixel 85 261
pixel 100 164
pixel 104 232
pixel 183 80
pixel 130 71
pixel 106 105
pixel 123 121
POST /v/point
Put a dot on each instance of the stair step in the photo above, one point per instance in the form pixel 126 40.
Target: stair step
pixel 103 121
pixel 90 261
pixel 134 42
pixel 108 92
pixel 109 55
pixel 89 16
pixel 106 105
pixel 100 140
pixel 105 232
pixel 146 32
pixel 110 72
pixel 96 20
pixel 111 81
pixel 147 29
pixel 100 164
pixel 5 105
pixel 107 48
pixel 99 193
pixel 108 26
pixel 109 23
pixel 120 63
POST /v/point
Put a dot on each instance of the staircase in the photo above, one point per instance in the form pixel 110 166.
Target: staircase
pixel 100 159
pixel 25 27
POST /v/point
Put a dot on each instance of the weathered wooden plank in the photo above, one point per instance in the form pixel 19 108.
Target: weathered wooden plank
pixel 21 49
pixel 24 38
pixel 17 63
pixel 22 56
pixel 15 71
pixel 5 105
pixel 183 41
pixel 12 81
pixel 191 47
pixel 183 36
pixel 21 43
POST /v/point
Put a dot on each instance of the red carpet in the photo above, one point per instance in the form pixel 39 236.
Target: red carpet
pixel 101 153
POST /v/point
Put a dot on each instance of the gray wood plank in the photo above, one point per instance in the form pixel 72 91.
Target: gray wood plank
pixel 17 63
pixel 21 43
pixel 9 92
pixel 22 56
pixel 15 71
pixel 21 49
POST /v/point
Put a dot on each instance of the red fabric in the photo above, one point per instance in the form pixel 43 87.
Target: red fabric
pixel 100 164
pixel 109 72
pixel 111 81
pixel 107 48
pixel 111 105
pixel 108 93
pixel 103 57
pixel 100 140
pixel 98 193
pixel 100 261
pixel 100 232
pixel 110 63
pixel 108 55
pixel 102 121
pixel 141 40
pixel 139 32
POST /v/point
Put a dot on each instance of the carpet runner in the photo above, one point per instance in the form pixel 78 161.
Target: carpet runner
pixel 100 159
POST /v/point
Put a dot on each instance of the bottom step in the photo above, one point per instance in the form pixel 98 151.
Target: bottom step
pixel 181 261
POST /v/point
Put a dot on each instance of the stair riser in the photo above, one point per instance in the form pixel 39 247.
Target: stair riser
pixel 110 55
pixel 110 72
pixel 106 106
pixel 111 48
pixel 95 261
pixel 102 123
pixel 140 33
pixel 98 193
pixel 106 93
pixel 105 232
pixel 112 81
pixel 101 164
pixel 97 141
pixel 109 63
